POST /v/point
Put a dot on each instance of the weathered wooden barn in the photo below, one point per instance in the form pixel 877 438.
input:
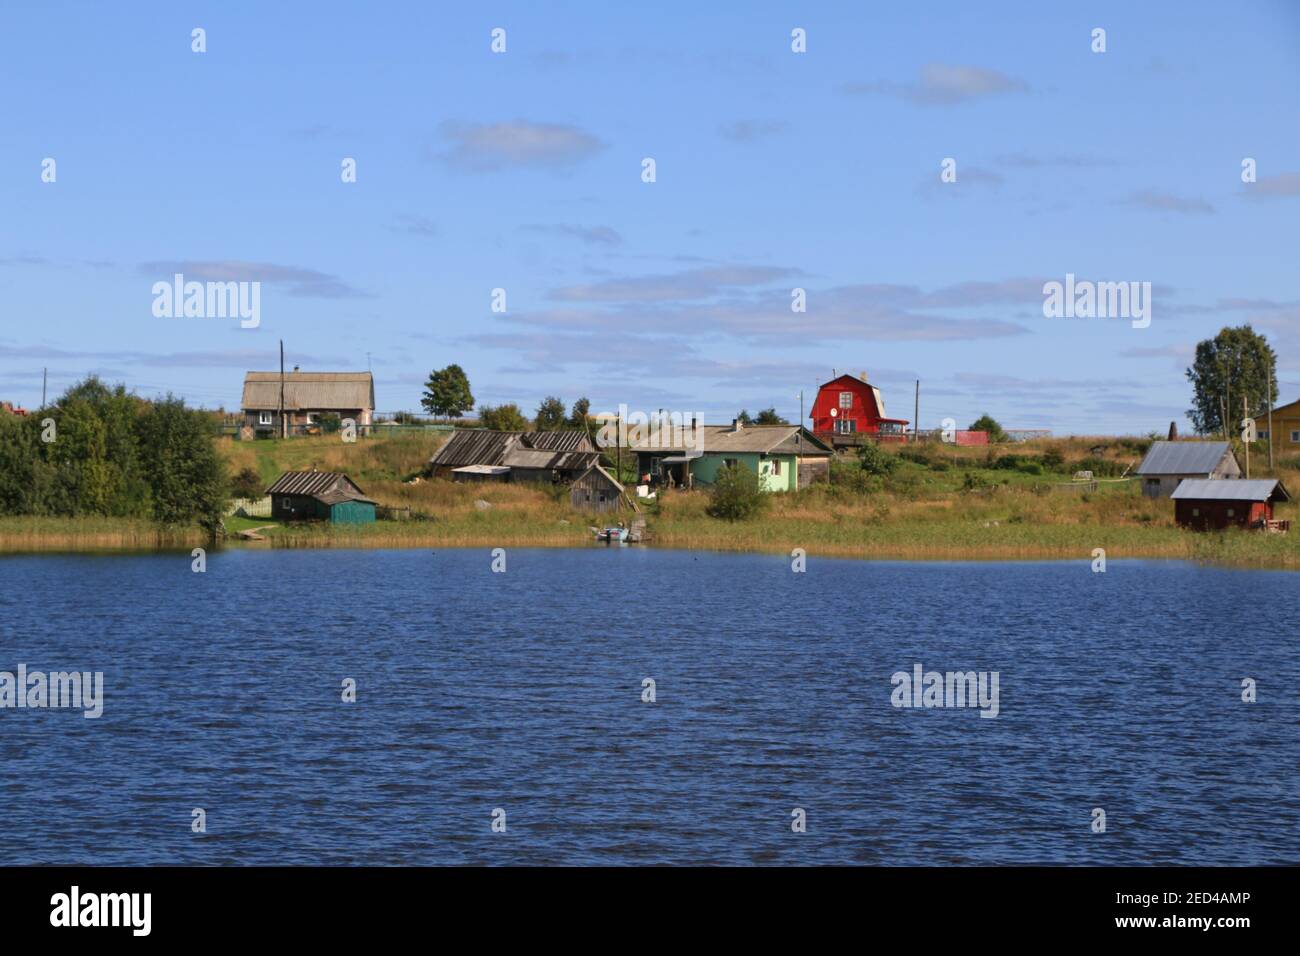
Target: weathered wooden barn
pixel 319 496
pixel 597 490
pixel 1205 504
pixel 550 457
pixel 1169 462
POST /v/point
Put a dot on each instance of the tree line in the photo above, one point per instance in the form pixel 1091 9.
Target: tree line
pixel 101 450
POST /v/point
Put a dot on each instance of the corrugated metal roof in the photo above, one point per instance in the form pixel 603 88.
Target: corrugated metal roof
pixel 1231 489
pixel 1182 458
pixel 327 391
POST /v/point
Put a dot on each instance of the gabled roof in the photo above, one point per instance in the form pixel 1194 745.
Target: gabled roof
pixel 753 439
pixel 1183 458
pixel 1211 489
pixel 325 391
pixel 563 450
pixel 328 486
pixel 863 383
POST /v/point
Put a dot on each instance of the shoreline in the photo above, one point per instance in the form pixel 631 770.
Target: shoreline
pixel 1012 543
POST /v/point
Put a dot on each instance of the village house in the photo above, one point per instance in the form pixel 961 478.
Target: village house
pixel 1285 432
pixel 849 409
pixel 309 399
pixel 786 457
pixel 1169 462
pixel 479 454
pixel 1208 505
pixel 319 496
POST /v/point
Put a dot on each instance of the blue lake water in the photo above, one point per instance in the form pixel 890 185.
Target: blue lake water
pixel 522 691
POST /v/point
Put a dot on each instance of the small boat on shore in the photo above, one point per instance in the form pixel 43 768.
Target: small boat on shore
pixel 611 535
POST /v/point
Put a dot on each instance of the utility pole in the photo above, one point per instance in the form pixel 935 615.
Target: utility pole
pixel 1269 396
pixel 284 428
pixel 916 414
pixel 45 374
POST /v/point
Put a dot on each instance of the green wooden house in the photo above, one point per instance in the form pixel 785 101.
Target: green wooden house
pixel 319 496
pixel 786 457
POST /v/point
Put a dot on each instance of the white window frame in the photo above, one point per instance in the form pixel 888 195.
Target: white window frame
pixel 846 400
pixel 264 418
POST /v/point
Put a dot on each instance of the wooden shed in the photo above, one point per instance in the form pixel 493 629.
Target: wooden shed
pixel 1169 462
pixel 598 490
pixel 1211 505
pixel 319 496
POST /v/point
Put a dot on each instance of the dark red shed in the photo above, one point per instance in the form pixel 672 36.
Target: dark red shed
pixel 1211 504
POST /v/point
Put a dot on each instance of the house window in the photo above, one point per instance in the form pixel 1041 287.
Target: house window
pixel 845 426
pixel 1295 437
pixel 730 462
pixel 1230 512
pixel 263 418
pixel 1263 436
pixel 846 399
pixel 311 418
pixel 776 466
pixel 602 496
pixel 1196 512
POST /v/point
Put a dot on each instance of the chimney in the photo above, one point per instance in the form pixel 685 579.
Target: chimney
pixel 737 425
pixel 863 376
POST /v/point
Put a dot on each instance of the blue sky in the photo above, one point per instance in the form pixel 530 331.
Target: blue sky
pixel 775 170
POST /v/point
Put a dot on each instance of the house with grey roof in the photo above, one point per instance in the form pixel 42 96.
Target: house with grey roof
pixel 786 457
pixel 1169 462
pixel 1207 505
pixel 309 400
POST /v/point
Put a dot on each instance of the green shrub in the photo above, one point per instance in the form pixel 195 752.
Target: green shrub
pixel 736 494
pixel 875 460
pixel 247 484
pixel 986 423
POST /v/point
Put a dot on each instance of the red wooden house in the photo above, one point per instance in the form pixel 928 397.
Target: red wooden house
pixel 848 406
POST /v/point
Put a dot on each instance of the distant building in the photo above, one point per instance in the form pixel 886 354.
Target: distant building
pixel 12 409
pixel 480 454
pixel 786 457
pixel 319 496
pixel 1285 435
pixel 1169 462
pixel 1208 505
pixel 309 397
pixel 848 407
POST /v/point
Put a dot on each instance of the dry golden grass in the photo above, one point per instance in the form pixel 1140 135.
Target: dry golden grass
pixel 919 513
